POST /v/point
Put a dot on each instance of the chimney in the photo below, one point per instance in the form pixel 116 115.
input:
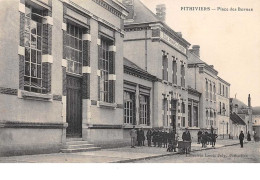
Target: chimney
pixel 196 50
pixel 161 12
pixel 129 4
pixel 249 101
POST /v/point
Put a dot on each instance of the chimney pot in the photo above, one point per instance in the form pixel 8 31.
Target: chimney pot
pixel 196 50
pixel 161 12
pixel 179 34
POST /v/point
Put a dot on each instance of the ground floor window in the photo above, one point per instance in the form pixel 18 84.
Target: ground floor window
pixel 195 117
pixel 144 109
pixel 129 107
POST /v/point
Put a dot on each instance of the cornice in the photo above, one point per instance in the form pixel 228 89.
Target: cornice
pixel 138 73
pixel 223 81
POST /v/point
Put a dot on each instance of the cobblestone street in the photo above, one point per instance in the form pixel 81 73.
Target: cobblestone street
pixel 231 154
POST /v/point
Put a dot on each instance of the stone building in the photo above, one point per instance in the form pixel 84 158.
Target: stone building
pixel 61 73
pixel 223 112
pixel 203 78
pixel 256 121
pixel 160 51
pixel 244 112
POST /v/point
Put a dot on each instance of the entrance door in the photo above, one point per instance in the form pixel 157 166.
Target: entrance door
pixel 74 107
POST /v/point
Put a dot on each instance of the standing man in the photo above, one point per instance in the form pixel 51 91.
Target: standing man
pixel 199 136
pixel 213 139
pixel 133 135
pixel 142 137
pixel 186 135
pixel 241 138
pixel 248 136
pixel 149 137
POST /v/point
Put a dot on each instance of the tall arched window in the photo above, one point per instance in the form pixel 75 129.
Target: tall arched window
pixel 214 90
pixel 207 90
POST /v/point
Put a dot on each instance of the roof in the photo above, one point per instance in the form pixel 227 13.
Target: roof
pixel 136 69
pixel 236 119
pixel 194 59
pixel 242 107
pixel 256 110
pixel 143 15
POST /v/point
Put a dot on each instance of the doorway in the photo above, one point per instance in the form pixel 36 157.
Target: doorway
pixel 74 107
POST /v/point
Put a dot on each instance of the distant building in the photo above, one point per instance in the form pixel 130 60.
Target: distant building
pixel 203 78
pixel 256 121
pixel 244 111
pixel 223 91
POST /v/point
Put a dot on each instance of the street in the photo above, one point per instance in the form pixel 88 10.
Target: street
pixel 231 154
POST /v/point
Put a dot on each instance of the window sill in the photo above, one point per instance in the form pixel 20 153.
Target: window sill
pixel 34 96
pixel 107 105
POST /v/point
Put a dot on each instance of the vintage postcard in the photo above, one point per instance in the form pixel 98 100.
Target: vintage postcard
pixel 129 81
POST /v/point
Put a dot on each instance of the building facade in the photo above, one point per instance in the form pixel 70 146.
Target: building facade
pixel 244 112
pixel 161 52
pixel 223 112
pixel 203 78
pixel 61 74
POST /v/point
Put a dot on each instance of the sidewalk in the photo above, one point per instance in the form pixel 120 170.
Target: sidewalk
pixel 116 155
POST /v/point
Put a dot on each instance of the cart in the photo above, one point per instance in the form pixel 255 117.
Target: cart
pixel 184 147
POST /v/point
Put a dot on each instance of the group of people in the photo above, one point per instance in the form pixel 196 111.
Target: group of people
pixel 157 137
pixel 205 138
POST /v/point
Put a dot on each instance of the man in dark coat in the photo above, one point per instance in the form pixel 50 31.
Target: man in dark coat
pixel 213 139
pixel 199 136
pixel 154 135
pixel 139 139
pixel 186 135
pixel 206 137
pixel 164 138
pixel 248 136
pixel 149 137
pixel 204 140
pixel 241 138
pixel 142 137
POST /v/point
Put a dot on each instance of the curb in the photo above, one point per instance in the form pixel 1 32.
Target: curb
pixel 171 154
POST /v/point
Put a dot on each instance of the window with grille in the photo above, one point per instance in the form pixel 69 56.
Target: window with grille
pixel 182 76
pixel 74 48
pixel 214 90
pixel 174 69
pixel 129 107
pixel 183 107
pixel 165 67
pixel 226 91
pixel 189 116
pixel 144 105
pixel 33 49
pixel 165 109
pixel 195 116
pixel 104 69
pixel 210 89
pixel 207 90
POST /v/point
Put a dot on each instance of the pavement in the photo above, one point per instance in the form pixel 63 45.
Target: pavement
pixel 115 155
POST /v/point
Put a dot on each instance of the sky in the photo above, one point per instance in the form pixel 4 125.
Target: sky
pixel 229 40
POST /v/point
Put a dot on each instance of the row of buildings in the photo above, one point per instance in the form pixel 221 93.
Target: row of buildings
pixel 91 70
